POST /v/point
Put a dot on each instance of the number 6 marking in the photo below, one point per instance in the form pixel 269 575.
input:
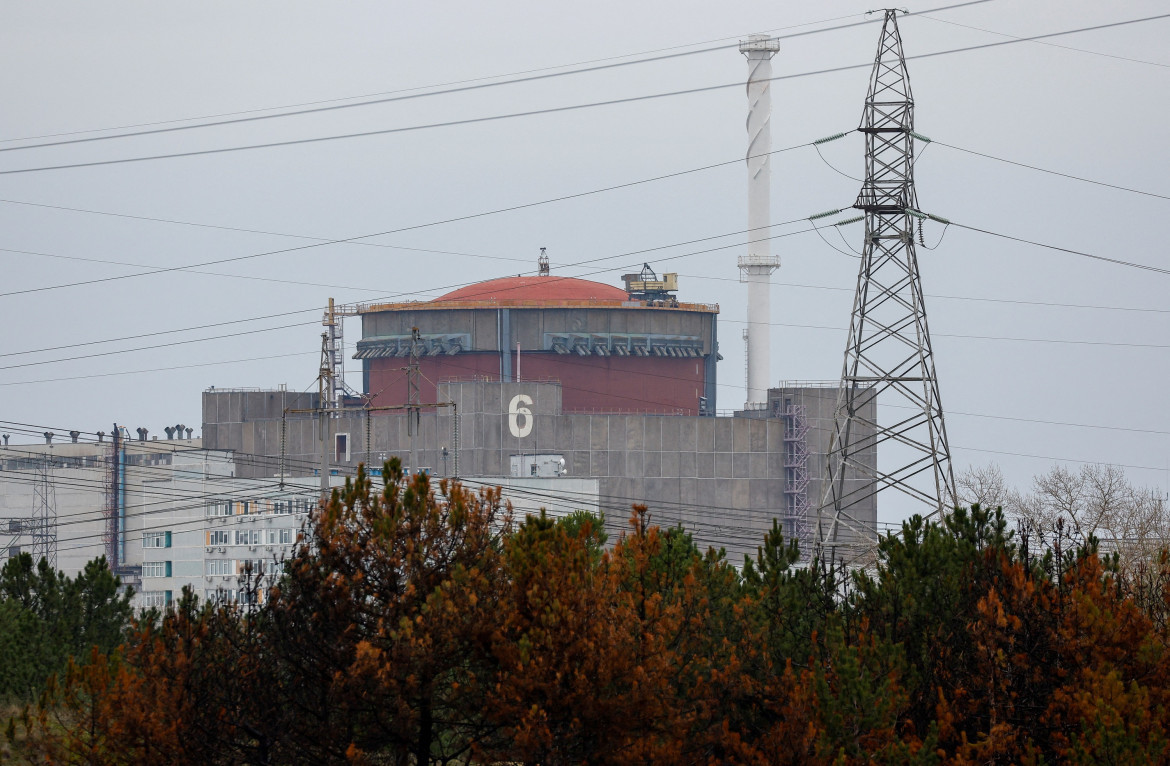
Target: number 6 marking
pixel 515 412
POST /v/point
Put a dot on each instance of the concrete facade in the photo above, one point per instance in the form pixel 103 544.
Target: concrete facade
pixel 80 478
pixel 723 479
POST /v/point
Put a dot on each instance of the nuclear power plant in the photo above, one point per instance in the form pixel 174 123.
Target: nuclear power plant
pixel 571 393
pixel 567 393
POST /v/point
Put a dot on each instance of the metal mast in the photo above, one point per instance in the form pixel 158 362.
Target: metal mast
pixel 325 404
pixel 337 388
pixel 889 352
pixel 413 399
pixel 757 266
pixel 43 526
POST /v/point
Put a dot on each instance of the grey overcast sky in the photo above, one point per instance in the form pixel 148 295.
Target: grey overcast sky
pixel 1090 104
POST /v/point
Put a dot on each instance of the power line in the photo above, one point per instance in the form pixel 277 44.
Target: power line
pixel 415 227
pixel 220 274
pixel 1051 45
pixel 941 296
pixel 1052 172
pixel 547 110
pixel 1160 469
pixel 171 368
pixel 702 277
pixel 447 84
pixel 1116 261
pixel 460 87
pixel 298 236
pixel 551 279
pixel 155 346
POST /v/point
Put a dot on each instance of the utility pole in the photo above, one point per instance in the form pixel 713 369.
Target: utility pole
pixel 889 351
pixel 325 404
pixel 413 409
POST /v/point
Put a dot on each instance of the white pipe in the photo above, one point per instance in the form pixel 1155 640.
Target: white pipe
pixel 759 263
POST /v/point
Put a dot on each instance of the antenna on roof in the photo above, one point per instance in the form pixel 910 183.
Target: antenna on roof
pixel 542 263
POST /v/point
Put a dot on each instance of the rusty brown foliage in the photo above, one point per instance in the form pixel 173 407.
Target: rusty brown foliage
pixel 416 624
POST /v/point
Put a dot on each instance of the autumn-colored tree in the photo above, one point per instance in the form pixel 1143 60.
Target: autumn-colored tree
pixel 414 625
pixel 384 619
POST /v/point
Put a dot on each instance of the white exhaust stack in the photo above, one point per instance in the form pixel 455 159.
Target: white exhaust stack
pixel 757 266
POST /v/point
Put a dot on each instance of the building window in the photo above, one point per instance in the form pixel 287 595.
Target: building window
pixel 155 598
pixel 156 539
pixel 286 536
pixel 247 537
pixel 341 453
pixel 219 537
pixel 13 551
pixel 221 596
pixel 156 569
pixel 222 508
pixel 259 566
pixel 219 567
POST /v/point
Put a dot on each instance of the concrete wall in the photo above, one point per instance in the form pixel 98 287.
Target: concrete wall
pixel 80 477
pixel 721 478
pixel 816 404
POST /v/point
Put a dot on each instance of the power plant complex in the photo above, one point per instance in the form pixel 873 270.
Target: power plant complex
pixel 565 392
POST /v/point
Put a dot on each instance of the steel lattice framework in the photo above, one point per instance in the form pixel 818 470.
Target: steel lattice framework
pixel 889 351
pixel 43 523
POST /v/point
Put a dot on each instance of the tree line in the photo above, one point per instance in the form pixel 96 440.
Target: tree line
pixel 420 624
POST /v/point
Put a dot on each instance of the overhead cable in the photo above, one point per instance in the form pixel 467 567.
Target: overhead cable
pixel 547 110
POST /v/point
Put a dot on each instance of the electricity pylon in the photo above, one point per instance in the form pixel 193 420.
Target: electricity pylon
pixel 889 352
pixel 43 523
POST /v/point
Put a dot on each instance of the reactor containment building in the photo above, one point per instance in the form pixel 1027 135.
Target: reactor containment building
pixel 568 393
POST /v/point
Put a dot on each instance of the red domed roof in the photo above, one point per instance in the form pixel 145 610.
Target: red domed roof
pixel 536 289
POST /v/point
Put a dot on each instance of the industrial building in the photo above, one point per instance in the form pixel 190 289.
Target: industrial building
pixel 588 425
pixel 597 395
pixel 166 514
pixel 611 349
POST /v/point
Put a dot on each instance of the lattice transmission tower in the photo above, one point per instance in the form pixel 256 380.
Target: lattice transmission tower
pixel 43 522
pixel 889 351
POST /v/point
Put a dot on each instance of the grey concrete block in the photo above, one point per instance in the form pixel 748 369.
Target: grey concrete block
pixel 742 465
pixel 724 441
pixel 758 434
pixel 578 462
pixel 599 464
pixel 775 438
pixel 669 465
pixel 723 466
pixel 653 433
pixel 669 433
pixel 617 464
pixel 651 464
pixel 687 434
pixel 635 467
pixel 599 433
pixel 741 431
pixel 705 465
pixel 705 434
pixel 687 464
pixel 635 432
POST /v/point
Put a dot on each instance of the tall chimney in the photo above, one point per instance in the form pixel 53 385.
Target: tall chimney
pixel 757 266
